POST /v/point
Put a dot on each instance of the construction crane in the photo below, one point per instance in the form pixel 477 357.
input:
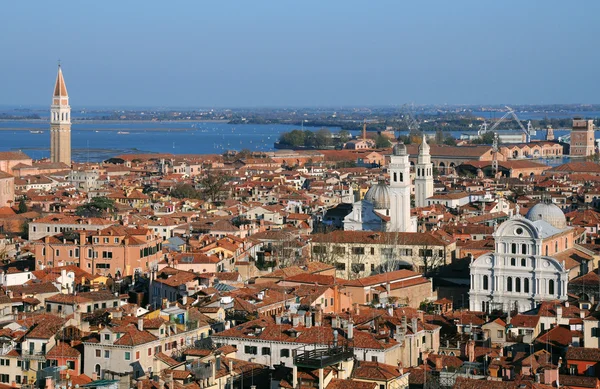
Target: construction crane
pixel 527 131
pixel 409 119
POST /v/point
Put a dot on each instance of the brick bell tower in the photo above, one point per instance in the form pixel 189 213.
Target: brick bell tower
pixel 60 123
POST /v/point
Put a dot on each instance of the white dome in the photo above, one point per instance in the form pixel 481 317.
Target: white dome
pixel 399 149
pixel 379 195
pixel 548 212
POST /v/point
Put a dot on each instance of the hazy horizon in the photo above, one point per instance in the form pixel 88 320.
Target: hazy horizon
pixel 273 54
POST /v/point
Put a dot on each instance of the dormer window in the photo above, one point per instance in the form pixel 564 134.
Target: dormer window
pixel 107 337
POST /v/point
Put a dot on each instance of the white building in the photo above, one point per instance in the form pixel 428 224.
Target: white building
pixel 424 175
pixel 521 272
pixel 386 207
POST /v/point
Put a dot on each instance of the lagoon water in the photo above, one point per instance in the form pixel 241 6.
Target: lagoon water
pixel 99 140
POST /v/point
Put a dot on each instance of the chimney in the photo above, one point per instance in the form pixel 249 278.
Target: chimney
pixel 404 324
pixel 184 300
pixel 350 329
pixel 413 324
pixel 471 350
pixel 391 311
pixel 356 309
pixel 559 313
pixel 318 316
pixel 308 320
pixel 218 360
pixel 140 324
pixel 295 321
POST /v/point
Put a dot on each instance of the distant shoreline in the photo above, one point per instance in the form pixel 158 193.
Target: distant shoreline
pixel 93 121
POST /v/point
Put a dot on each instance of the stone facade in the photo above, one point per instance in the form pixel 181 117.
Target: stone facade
pixel 518 275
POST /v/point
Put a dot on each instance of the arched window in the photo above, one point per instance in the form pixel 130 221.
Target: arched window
pixel 523 262
pixel 513 262
pixel 523 248
pixel 566 243
pixel 97 370
pixel 546 249
pixel 556 246
pixel 401 177
pixel 551 287
pixel 509 284
pixel 518 285
pixel 513 248
pixel 395 177
pixel 526 285
pixel 485 283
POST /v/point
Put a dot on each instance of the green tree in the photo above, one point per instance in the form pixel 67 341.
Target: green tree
pixel 344 136
pixel 449 140
pixel 485 139
pixel 184 191
pixel 382 142
pixel 294 138
pixel 213 184
pixel 322 138
pixel 97 207
pixel 22 206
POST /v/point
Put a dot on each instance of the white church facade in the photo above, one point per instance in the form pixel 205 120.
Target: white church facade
pixel 521 272
pixel 388 207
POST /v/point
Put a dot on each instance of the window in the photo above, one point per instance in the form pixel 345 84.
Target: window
pixel 373 358
pixel 105 240
pixel 358 250
pixel 98 353
pixel 137 355
pixel 518 285
pixel 71 365
pixel 70 253
pixel 107 254
pixel 265 351
pixel 340 266
pixel 358 267
pixel 551 287
pixel 513 262
pixel 127 356
pixel 509 285
pixel 106 336
pixel 284 353
pixel 76 253
pixel 251 350
pixel 485 283
pixel 500 334
pixel 425 253
pixel 339 250
pixel 107 354
pixel 513 248
pixel 523 262
pixel 150 351
pixel 526 285
pixel 319 249
pixel 372 267
pixel 523 248
pixel 116 240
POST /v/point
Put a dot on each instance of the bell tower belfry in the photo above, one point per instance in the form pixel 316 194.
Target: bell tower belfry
pixel 60 122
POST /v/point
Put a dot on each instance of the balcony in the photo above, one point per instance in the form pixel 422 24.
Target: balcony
pixel 37 355
pixel 323 357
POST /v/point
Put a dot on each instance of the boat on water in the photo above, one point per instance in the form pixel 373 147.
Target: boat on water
pixel 123 133
pixel 36 132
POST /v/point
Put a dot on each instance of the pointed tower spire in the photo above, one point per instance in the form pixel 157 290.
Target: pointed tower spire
pixel 60 122
pixel 60 89
pixel 424 147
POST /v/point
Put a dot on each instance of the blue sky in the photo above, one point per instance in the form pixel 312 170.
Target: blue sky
pixel 300 53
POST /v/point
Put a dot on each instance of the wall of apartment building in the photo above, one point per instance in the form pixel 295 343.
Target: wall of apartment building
pixel 41 230
pixel 94 258
pixel 371 256
pixel 141 357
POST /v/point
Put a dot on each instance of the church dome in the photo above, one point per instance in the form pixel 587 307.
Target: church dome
pixel 379 195
pixel 548 212
pixel 399 149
